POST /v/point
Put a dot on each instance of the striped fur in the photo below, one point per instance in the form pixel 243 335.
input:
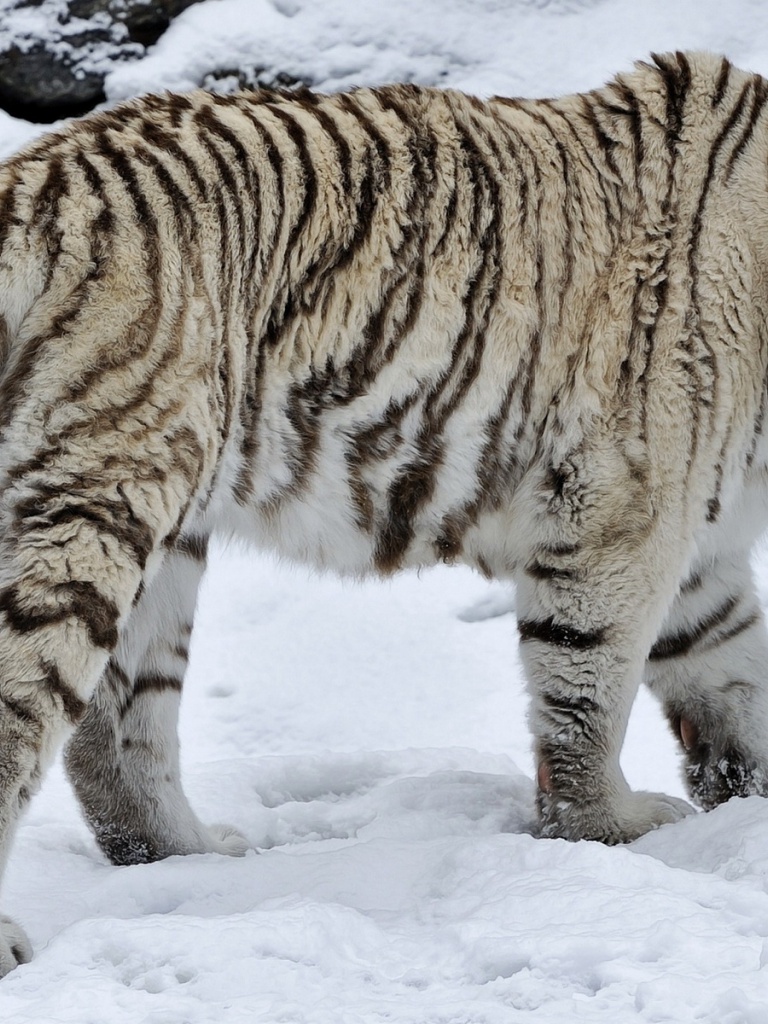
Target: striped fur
pixel 379 330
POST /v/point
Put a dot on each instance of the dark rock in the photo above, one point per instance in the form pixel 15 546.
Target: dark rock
pixel 62 75
pixel 40 85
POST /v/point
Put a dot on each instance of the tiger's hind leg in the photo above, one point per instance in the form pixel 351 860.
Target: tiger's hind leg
pixel 123 759
pixel 708 669
pixel 74 552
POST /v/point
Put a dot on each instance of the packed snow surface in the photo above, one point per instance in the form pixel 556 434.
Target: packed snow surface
pixel 370 740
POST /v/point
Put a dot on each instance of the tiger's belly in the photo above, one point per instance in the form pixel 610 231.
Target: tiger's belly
pixel 358 517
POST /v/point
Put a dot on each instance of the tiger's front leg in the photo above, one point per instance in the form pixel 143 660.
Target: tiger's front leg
pixel 589 607
pixel 708 669
pixel 584 665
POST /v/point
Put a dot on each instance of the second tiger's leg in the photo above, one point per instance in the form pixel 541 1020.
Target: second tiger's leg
pixel 123 759
pixel 708 668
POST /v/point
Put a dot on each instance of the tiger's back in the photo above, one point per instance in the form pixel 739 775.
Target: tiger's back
pixel 379 330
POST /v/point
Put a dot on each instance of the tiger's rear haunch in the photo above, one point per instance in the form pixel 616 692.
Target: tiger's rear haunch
pixel 381 330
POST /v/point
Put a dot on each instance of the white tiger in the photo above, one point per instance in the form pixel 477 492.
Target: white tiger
pixel 379 330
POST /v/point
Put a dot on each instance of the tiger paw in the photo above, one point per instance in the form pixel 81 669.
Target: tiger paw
pixel 718 768
pixel 629 818
pixel 228 841
pixel 125 846
pixel 15 947
pixel 642 812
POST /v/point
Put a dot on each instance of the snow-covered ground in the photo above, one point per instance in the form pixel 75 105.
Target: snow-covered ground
pixel 370 739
